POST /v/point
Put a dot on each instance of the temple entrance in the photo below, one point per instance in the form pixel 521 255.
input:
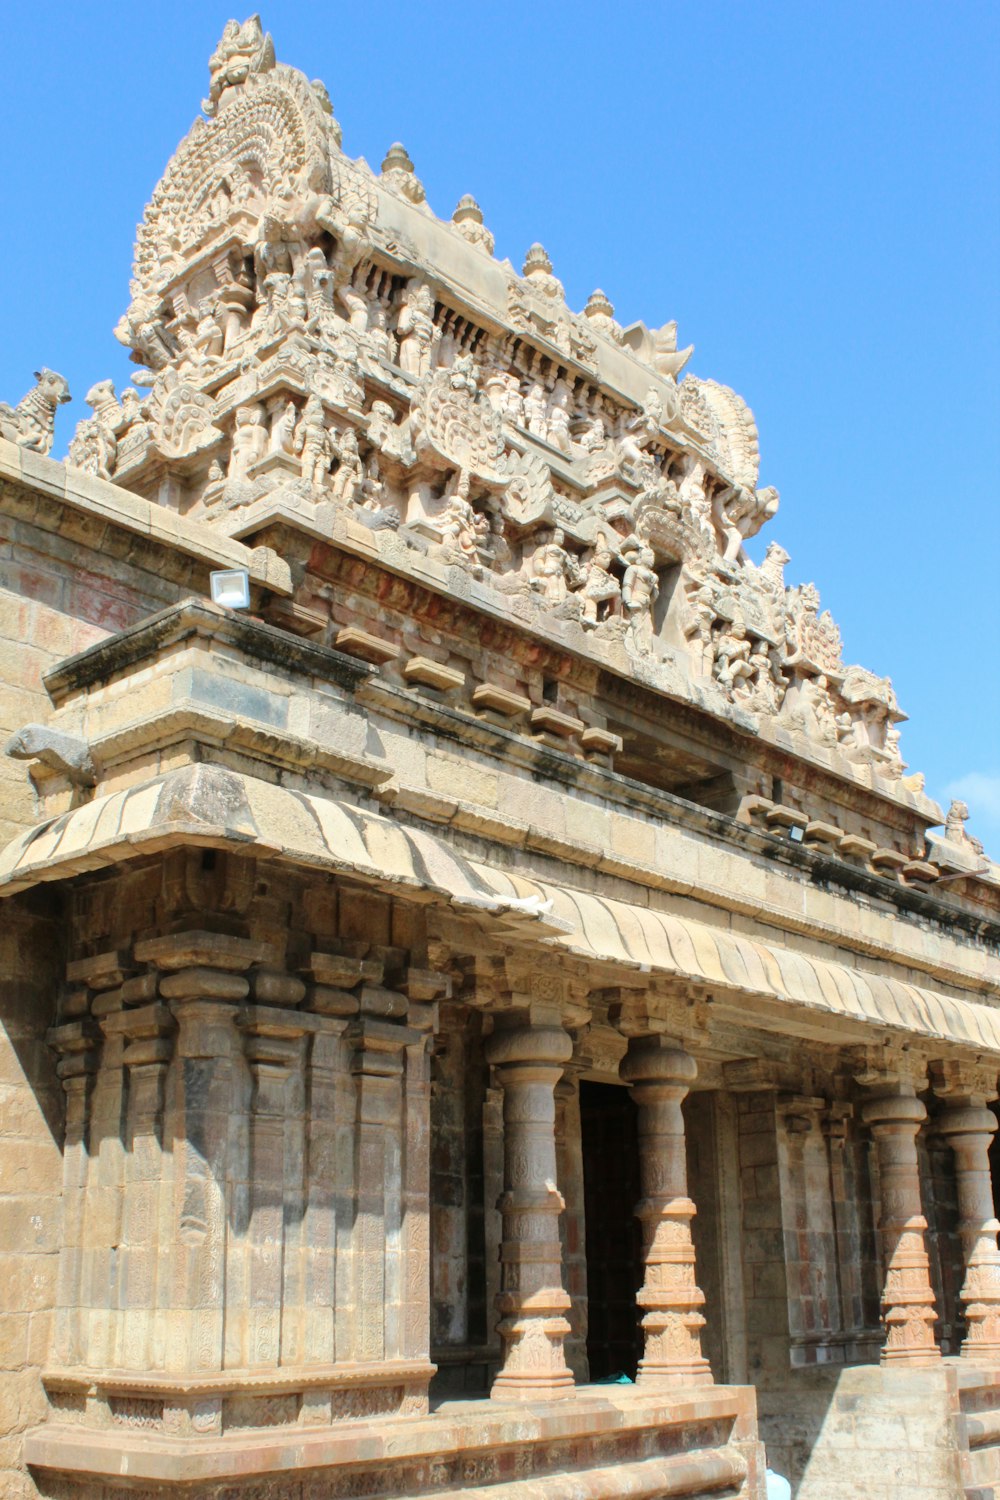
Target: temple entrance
pixel 614 1259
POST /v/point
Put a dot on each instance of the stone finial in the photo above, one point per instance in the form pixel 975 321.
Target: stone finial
pixel 468 220
pixel 467 209
pixel 599 305
pixel 31 422
pixel 399 176
pixel 536 262
pixel 397 159
pixel 242 51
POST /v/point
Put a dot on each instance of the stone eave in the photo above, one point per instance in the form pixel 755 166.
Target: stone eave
pixel 212 727
pixel 212 806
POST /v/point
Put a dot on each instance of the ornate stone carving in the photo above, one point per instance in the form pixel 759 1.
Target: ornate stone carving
pixel 453 423
pixel 242 52
pixel 94 446
pixel 661 1075
pixel 529 1061
pixel 908 1311
pixel 30 424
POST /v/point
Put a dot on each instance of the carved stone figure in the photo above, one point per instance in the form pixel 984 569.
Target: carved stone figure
pixel 739 513
pixel 315 445
pixel 954 826
pixel 640 587
pixel 558 418
pixel 553 569
pixel 31 422
pixel 249 441
pixel 463 528
pixel 242 51
pixel 415 331
pixel 733 648
pixel 94 445
pixel 283 429
pixel 536 411
pixel 348 480
pixel 600 586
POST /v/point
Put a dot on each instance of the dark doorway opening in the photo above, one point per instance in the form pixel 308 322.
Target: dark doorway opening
pixel 614 1243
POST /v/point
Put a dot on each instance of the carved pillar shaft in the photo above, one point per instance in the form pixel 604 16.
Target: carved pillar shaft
pixel 529 1061
pixel 272 1046
pixel 908 1311
pixel 661 1075
pixel 147 1031
pixel 968 1124
pixel 76 1044
pixel 569 1156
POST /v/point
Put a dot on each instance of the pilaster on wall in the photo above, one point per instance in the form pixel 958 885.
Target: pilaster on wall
pixel 246 1177
pixel 33 1220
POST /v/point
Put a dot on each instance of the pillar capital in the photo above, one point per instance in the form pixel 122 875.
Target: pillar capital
pixel 958 1080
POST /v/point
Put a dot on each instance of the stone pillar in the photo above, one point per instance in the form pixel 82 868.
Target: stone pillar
pixel 968 1124
pixel 529 1060
pixel 894 1116
pixel 661 1074
pixel 572 1223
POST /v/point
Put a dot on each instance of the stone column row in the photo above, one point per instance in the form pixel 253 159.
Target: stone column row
pixel 895 1115
pixel 529 1062
pixel 533 1303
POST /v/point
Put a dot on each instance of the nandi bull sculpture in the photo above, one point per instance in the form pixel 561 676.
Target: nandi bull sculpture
pixel 32 421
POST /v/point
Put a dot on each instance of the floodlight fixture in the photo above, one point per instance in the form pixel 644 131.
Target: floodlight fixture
pixel 231 588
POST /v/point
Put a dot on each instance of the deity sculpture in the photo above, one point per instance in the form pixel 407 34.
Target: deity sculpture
pixel 415 331
pixel 558 418
pixel 249 441
pixel 600 586
pixel 348 480
pixel 536 410
pixel 462 527
pixel 553 569
pixel 283 429
pixel 315 445
pixel 640 587
pixel 733 648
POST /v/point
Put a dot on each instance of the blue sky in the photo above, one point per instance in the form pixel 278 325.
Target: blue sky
pixel 813 192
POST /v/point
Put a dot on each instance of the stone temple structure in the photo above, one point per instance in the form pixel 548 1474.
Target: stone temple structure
pixel 492 1019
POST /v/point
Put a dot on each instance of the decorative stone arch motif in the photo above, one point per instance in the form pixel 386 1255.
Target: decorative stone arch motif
pixel 726 422
pixel 275 130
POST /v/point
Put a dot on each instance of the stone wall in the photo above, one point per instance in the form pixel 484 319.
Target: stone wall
pixel 31 1172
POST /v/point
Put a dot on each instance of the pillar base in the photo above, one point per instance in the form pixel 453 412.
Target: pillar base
pixel 654 1377
pixel 533 1387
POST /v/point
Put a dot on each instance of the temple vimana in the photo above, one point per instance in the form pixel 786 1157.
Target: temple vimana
pixel 494 1018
